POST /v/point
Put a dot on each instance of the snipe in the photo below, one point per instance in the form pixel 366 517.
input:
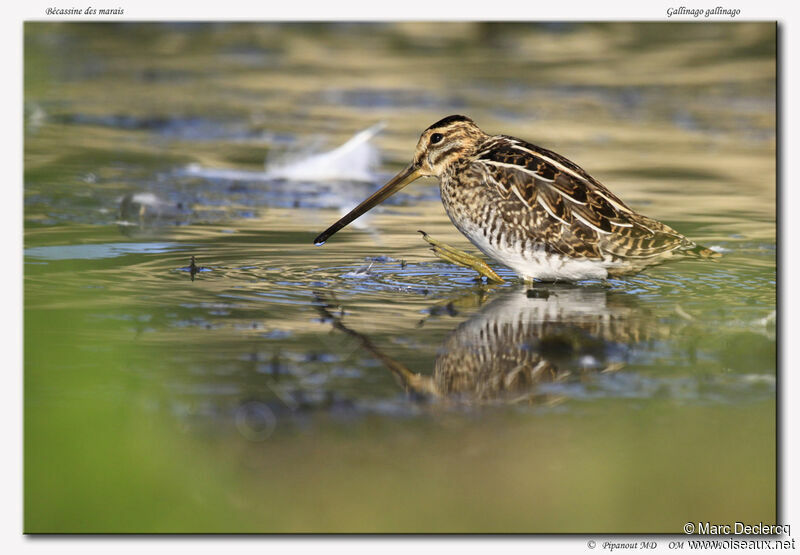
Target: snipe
pixel 529 209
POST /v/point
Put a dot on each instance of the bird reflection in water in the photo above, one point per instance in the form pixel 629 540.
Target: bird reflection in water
pixel 518 341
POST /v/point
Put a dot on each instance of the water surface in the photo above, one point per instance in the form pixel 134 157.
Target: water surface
pixel 365 385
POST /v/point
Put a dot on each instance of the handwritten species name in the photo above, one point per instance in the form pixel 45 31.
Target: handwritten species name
pixel 697 12
pixel 88 11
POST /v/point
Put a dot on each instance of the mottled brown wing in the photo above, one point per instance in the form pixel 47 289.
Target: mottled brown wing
pixel 597 222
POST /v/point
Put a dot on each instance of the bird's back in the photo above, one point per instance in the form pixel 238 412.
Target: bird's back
pixel 529 207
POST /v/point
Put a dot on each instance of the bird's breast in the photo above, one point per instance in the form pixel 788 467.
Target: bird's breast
pixel 508 231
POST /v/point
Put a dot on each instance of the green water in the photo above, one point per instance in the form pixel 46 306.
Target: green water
pixel 365 386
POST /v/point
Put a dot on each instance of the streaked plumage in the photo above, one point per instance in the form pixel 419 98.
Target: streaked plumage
pixel 530 208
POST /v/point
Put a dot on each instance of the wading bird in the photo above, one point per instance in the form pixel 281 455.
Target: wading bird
pixel 529 209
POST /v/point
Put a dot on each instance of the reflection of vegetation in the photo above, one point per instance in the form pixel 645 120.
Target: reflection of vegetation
pixel 99 458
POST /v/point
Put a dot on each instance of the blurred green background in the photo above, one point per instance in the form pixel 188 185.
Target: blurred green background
pixel 232 403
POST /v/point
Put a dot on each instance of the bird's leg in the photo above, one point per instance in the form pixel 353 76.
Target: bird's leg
pixel 461 258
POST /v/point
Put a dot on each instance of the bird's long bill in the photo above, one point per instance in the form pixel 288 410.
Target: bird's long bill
pixel 399 181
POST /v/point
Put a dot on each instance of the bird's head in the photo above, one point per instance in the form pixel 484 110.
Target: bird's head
pixel 439 147
pixel 444 143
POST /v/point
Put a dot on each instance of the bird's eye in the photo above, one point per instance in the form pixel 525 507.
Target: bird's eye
pixel 436 137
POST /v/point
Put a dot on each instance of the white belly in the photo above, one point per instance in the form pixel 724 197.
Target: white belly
pixel 535 263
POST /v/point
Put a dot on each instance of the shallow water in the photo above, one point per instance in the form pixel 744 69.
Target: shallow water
pixel 365 385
